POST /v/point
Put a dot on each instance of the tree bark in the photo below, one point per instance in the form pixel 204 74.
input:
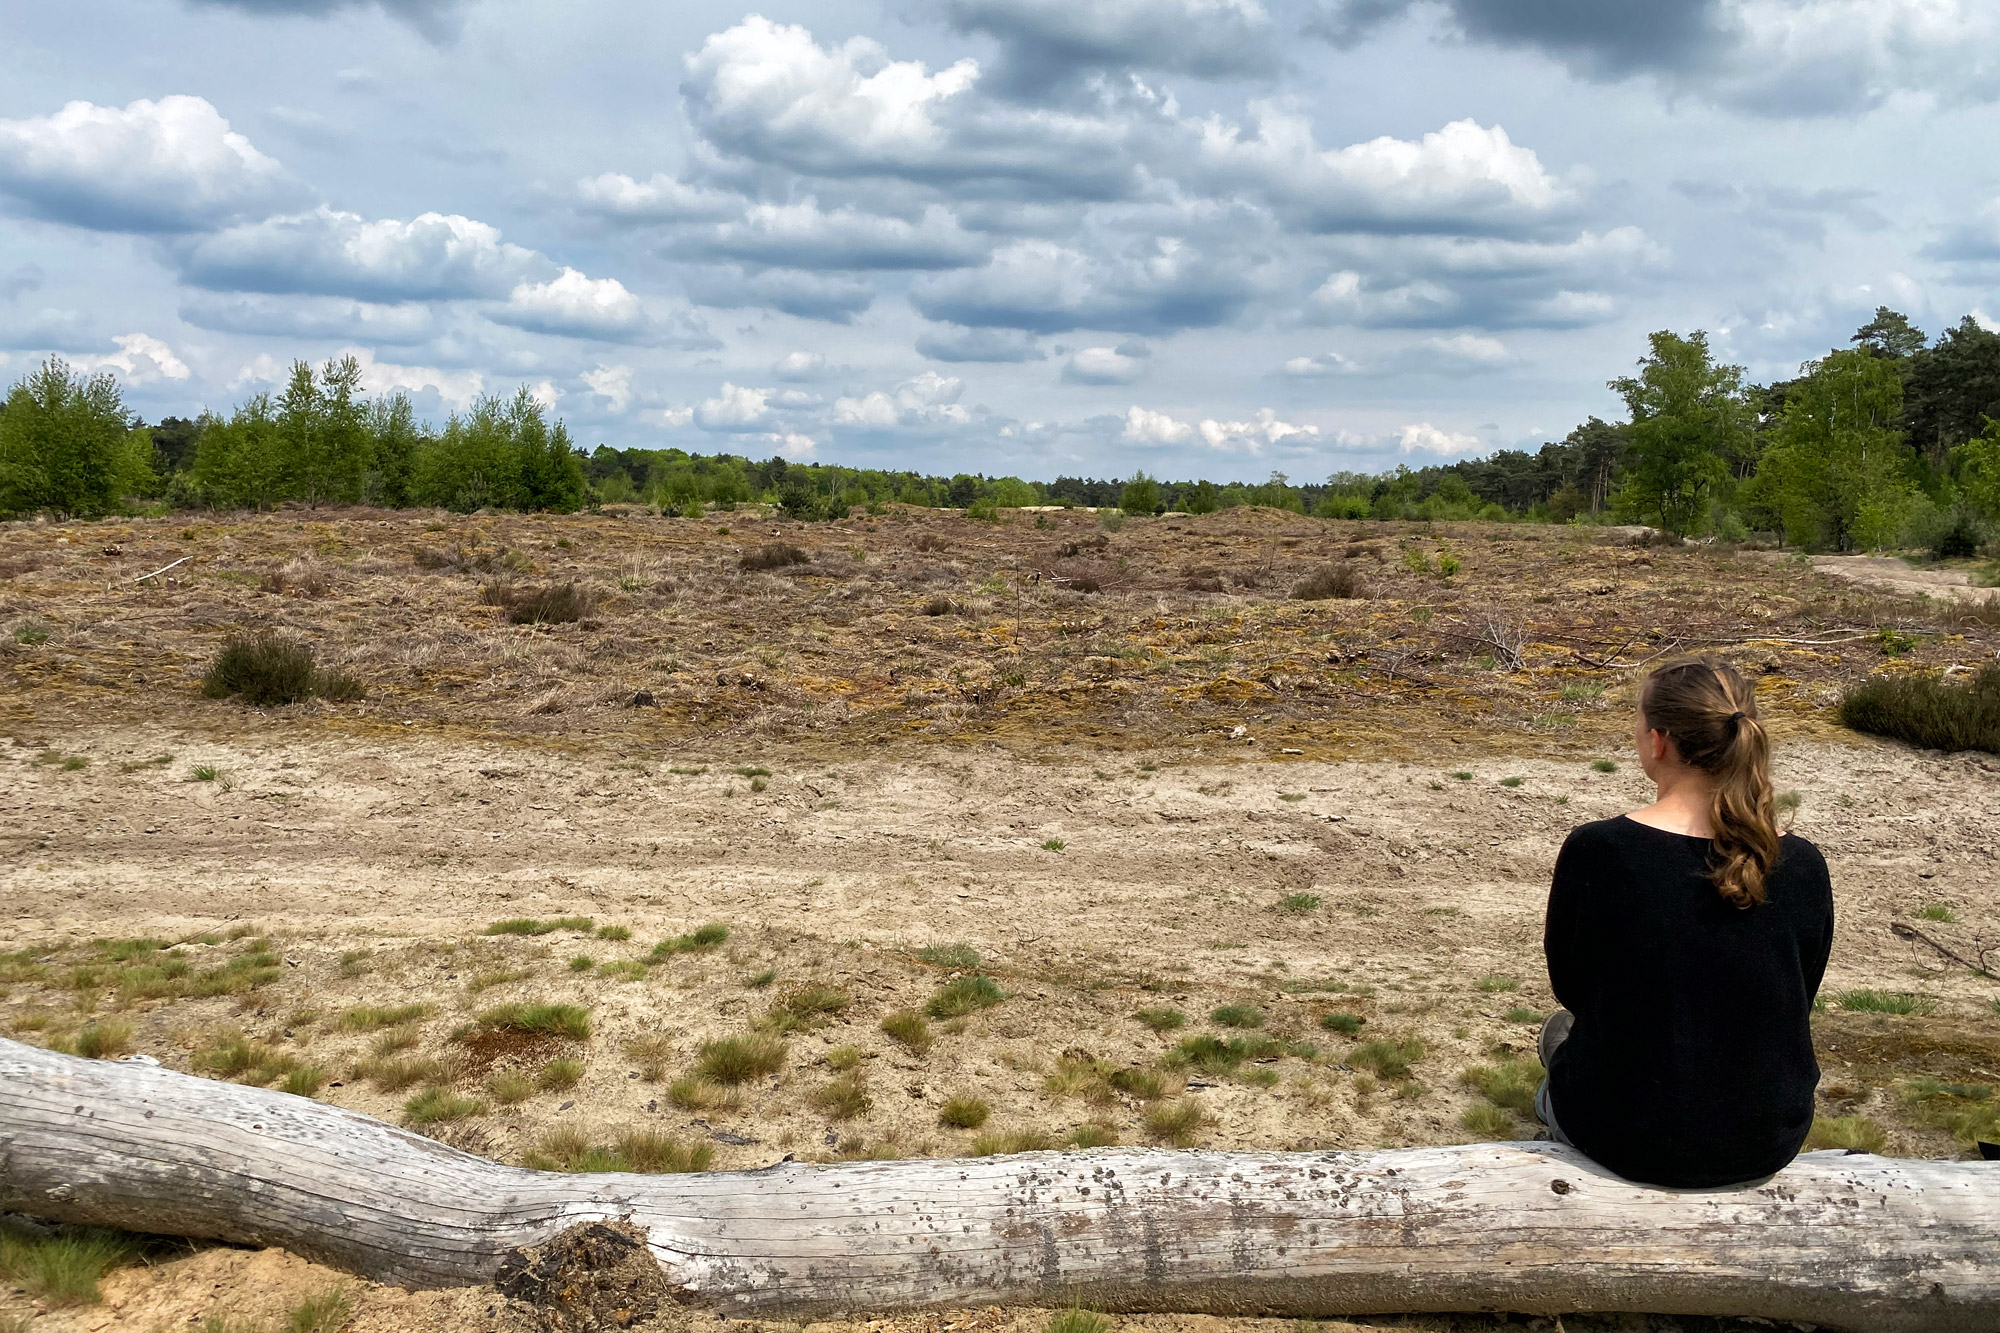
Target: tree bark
pixel 1847 1241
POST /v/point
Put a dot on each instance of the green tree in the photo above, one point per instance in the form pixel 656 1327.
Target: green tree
pixel 1890 334
pixel 323 433
pixel 1954 386
pixel 1978 461
pixel 239 463
pixel 1688 414
pixel 393 440
pixel 472 464
pixel 551 474
pixel 1835 471
pixel 67 445
pixel 1140 496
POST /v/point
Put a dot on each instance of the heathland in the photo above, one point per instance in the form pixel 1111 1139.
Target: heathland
pixel 616 840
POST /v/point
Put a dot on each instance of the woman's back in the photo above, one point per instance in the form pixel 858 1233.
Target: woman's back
pixel 1691 1059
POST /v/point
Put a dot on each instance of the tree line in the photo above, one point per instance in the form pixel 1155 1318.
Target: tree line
pixel 1891 440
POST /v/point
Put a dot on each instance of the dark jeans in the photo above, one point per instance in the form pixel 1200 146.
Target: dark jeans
pixel 1555 1031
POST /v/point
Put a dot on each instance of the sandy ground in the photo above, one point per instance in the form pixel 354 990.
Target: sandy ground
pixel 1199 868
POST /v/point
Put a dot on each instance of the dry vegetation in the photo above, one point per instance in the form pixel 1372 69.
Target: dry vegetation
pixel 885 837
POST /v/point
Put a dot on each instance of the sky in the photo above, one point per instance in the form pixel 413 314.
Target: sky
pixel 1218 238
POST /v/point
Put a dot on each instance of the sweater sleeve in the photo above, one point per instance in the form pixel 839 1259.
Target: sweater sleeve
pixel 1562 928
pixel 1816 958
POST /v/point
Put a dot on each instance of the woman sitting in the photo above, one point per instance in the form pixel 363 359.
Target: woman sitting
pixel 1685 942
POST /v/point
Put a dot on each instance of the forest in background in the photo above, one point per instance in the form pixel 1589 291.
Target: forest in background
pixel 1891 441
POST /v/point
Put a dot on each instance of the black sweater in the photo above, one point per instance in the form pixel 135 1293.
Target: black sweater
pixel 1691 1062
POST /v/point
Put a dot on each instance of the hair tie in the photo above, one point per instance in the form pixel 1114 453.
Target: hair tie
pixel 1738 717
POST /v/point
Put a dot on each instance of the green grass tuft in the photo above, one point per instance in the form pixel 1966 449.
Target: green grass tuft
pixel 1867 1001
pixel 1387 1059
pixel 959 957
pixel 733 1060
pixel 522 925
pixel 1604 765
pixel 322 1312
pixel 1484 1121
pixel 1077 1320
pixel 908 1027
pixel 1237 1016
pixel 561 1020
pixel 435 1105
pixel 964 1112
pixel 701 939
pixel 1855 1133
pixel 1162 1019
pixel 62 1267
pixel 369 1017
pixel 964 995
pixel 1177 1123
pixel 1345 1024
pixel 1298 904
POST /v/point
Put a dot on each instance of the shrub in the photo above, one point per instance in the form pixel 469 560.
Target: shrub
pixel 561 1020
pixel 964 995
pixel 774 555
pixel 1344 1023
pixel 1337 580
pixel 267 670
pixel 62 1267
pixel 1162 1019
pixel 1176 1123
pixel 908 1027
pixel 1928 711
pixel 733 1060
pixel 1856 1133
pixel 964 1112
pixel 558 604
pixel 1238 1016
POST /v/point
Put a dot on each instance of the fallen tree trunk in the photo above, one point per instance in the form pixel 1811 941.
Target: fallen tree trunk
pixel 1848 1241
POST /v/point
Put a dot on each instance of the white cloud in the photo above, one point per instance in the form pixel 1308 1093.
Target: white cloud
pixel 546 393
pixel 1469 349
pixel 734 409
pixel 1465 175
pixel 1158 286
pixel 799 367
pixel 575 306
pixel 1423 438
pixel 168 166
pixel 1048 41
pixel 1145 426
pixel 928 400
pixel 140 359
pixel 955 342
pixel 793 445
pixel 611 383
pixel 1251 436
pixel 1323 366
pixel 661 199
pixel 1103 365
pixel 329 317
pixel 1825 57
pixel 769 93
pixel 770 90
pixel 435 256
pixel 458 388
pixel 673 418
pixel 801 235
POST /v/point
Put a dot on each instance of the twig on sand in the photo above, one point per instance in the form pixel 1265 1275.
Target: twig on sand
pixel 162 569
pixel 1902 930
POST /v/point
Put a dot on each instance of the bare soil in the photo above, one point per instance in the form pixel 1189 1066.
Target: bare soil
pixel 1143 798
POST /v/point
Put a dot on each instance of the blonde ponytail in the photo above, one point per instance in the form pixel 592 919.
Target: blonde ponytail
pixel 1710 712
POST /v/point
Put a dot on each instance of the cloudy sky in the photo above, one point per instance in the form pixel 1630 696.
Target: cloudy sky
pixel 1204 237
